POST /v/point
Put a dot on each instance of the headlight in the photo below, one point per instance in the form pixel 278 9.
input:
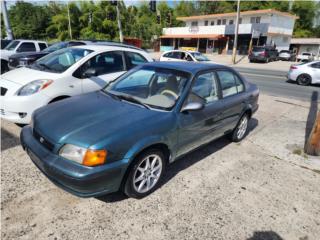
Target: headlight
pixel 33 87
pixel 84 156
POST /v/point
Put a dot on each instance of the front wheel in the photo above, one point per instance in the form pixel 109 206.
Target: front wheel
pixel 241 129
pixel 145 175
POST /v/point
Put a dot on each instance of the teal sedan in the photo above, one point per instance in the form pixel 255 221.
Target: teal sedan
pixel 123 136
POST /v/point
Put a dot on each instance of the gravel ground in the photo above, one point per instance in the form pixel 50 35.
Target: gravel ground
pixel 261 188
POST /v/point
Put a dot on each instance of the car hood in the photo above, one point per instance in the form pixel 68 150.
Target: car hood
pixel 29 55
pixel 87 119
pixel 25 75
pixel 5 54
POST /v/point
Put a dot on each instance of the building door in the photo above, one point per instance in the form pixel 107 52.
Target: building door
pixel 202 45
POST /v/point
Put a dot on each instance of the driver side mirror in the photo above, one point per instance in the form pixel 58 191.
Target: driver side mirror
pixel 192 106
pixel 90 72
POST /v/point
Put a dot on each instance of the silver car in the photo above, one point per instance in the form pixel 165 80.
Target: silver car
pixel 305 73
pixel 287 55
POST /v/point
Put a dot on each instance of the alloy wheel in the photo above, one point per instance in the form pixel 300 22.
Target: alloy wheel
pixel 147 173
pixel 242 129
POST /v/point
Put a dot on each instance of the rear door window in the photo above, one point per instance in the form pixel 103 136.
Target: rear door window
pixel 230 83
pixel 134 59
pixel 42 46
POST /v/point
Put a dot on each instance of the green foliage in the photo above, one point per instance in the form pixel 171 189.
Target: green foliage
pixel 97 19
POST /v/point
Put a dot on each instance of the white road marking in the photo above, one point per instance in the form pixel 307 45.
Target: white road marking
pixel 261 75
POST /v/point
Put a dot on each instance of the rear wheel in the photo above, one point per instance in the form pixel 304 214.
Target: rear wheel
pixel 145 174
pixel 241 129
pixel 304 79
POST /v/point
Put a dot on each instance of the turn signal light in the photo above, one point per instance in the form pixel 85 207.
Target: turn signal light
pixel 94 157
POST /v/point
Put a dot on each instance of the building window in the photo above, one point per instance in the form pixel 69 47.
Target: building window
pixel 212 23
pixel 255 19
pixel 194 24
pixel 206 23
pixel 230 22
pixel 224 21
pixel 240 20
pixel 219 22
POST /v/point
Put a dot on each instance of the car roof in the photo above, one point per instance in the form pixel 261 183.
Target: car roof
pixel 102 47
pixel 177 50
pixel 190 67
pixel 28 40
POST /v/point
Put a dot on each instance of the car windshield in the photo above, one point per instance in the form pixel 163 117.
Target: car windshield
pixel 258 49
pixel 56 47
pixel 199 57
pixel 149 86
pixel 12 45
pixel 60 60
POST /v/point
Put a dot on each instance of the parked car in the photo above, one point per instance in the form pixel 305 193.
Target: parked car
pixel 305 57
pixel 4 43
pixel 305 73
pixel 122 137
pixel 263 54
pixel 27 58
pixel 287 55
pixel 180 55
pixel 61 74
pixel 17 46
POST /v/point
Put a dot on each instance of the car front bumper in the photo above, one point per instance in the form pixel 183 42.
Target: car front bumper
pixel 74 178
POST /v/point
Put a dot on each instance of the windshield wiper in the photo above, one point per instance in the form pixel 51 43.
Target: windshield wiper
pixel 132 99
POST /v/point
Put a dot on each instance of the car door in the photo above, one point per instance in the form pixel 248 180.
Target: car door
pixel 201 126
pixel 108 66
pixel 233 98
pixel 315 69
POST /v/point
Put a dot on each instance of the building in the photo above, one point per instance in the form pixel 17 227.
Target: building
pixel 215 32
pixel 311 45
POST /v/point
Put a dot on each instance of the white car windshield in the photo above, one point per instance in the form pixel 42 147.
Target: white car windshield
pixel 59 61
pixel 149 86
pixel 199 57
pixel 12 45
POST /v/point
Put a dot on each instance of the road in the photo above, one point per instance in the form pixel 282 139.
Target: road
pixel 275 83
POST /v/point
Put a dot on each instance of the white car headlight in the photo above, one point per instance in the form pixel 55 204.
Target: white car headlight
pixel 84 156
pixel 73 153
pixel 33 87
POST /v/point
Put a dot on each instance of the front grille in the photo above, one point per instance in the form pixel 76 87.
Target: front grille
pixel 3 91
pixel 47 144
pixel 2 112
pixel 13 62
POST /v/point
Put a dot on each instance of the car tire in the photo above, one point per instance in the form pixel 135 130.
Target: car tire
pixel 241 130
pixel 4 66
pixel 141 174
pixel 304 79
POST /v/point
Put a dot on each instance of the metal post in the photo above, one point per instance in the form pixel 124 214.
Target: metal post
pixel 235 43
pixel 119 22
pixel 6 20
pixel 70 30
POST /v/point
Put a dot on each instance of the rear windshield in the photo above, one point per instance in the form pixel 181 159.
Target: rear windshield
pixel 258 49
pixel 306 54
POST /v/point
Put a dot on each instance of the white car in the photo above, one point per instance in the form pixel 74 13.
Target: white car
pixel 305 73
pixel 305 56
pixel 180 55
pixel 17 46
pixel 64 73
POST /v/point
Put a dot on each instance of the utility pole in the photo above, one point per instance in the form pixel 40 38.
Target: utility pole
pixel 6 20
pixel 236 30
pixel 70 31
pixel 119 22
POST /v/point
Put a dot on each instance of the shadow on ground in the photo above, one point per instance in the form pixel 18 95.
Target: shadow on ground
pixel 185 162
pixel 265 235
pixel 8 140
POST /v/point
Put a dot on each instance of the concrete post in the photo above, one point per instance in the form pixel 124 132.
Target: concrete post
pixel 6 20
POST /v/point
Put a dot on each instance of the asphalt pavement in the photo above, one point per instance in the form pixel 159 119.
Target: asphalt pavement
pixel 275 83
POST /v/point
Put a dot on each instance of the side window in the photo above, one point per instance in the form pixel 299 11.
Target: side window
pixel 27 47
pixel 205 87
pixel 182 56
pixel 230 83
pixel 42 46
pixel 105 63
pixel 176 55
pixel 134 59
pixel 315 65
pixel 189 58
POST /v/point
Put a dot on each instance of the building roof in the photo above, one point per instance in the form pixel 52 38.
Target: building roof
pixel 231 14
pixel 211 36
pixel 305 41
